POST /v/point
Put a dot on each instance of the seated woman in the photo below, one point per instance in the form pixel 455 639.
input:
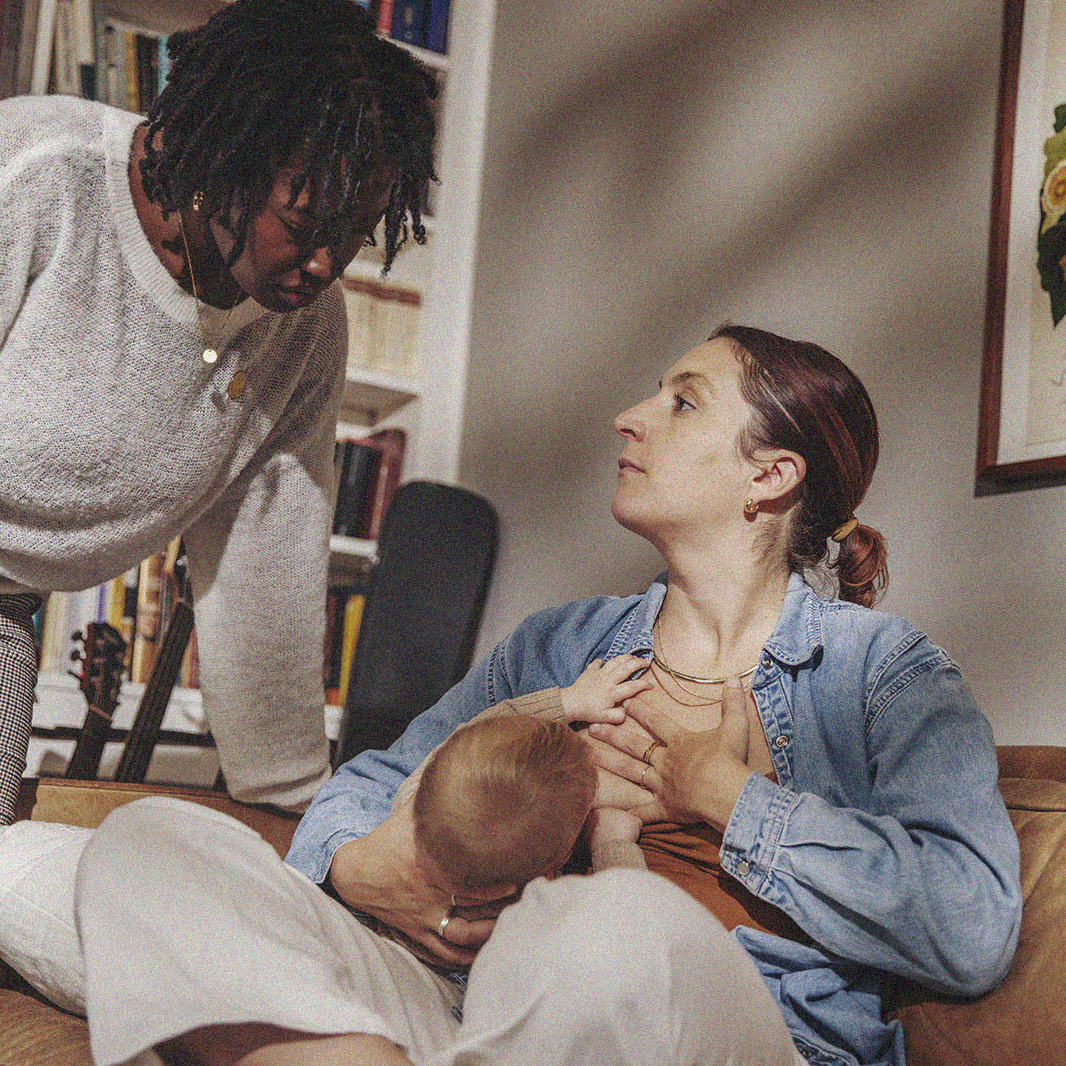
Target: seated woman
pixel 838 793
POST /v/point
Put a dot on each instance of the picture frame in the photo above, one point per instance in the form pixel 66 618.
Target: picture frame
pixel 1022 429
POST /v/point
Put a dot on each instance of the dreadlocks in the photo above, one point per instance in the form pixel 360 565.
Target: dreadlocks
pixel 268 84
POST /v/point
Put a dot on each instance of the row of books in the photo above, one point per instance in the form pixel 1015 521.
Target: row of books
pixel 139 604
pixel 383 324
pixel 77 47
pixel 419 22
pixel 366 475
pixel 135 604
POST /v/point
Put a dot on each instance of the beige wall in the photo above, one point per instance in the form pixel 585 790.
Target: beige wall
pixel 822 169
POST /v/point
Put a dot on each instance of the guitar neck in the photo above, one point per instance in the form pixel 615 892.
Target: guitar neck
pixel 89 748
pixel 147 723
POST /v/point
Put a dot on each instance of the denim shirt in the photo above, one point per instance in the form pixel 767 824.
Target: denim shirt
pixel 884 838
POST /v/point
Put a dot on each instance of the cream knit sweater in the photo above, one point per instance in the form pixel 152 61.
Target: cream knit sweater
pixel 116 437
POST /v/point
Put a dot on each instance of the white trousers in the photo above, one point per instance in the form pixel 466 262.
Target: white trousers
pixel 185 917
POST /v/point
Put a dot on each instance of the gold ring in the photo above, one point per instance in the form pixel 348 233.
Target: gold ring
pixel 644 774
pixel 646 757
pixel 444 924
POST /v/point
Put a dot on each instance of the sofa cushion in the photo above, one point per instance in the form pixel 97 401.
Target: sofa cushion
pixel 37 1034
pixel 1023 1022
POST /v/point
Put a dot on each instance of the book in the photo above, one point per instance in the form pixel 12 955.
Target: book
pixel 409 21
pixel 437 26
pixel 44 36
pixel 147 70
pixel 384 22
pixel 391 444
pixel 84 47
pixel 132 99
pixel 358 470
pixel 146 633
pixel 10 36
pixel 353 617
pixel 66 77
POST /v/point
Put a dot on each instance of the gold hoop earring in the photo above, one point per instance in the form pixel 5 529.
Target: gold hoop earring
pixel 751 508
pixel 197 200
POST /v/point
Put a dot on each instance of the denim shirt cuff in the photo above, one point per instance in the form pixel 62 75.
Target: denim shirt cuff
pixel 751 836
pixel 315 862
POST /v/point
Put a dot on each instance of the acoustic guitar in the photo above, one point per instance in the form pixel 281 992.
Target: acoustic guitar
pixel 101 657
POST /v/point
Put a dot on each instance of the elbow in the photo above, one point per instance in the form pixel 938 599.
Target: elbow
pixel 981 958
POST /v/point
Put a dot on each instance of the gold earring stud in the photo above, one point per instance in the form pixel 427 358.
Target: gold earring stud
pixel 197 200
pixel 750 507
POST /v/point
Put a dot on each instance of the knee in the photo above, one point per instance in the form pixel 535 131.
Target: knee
pixel 615 930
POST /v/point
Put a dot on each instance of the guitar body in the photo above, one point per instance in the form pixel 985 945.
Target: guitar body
pixel 99 680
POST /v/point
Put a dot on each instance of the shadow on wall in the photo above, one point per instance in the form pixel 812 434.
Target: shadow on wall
pixel 792 165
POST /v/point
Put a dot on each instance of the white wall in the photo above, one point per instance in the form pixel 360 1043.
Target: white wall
pixel 821 169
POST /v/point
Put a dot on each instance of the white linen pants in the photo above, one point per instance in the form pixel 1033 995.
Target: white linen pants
pixel 185 917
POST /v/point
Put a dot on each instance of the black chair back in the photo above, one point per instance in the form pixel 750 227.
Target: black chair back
pixel 436 554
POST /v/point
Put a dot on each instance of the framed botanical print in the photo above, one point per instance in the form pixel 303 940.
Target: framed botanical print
pixel 1023 385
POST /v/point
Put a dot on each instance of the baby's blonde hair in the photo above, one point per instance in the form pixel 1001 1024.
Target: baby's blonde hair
pixel 503 800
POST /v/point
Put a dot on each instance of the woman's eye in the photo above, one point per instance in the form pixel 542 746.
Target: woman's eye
pixel 681 404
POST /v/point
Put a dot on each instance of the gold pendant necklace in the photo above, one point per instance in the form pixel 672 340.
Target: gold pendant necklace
pixel 210 354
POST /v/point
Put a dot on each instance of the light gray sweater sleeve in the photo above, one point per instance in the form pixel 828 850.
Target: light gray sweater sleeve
pixel 258 562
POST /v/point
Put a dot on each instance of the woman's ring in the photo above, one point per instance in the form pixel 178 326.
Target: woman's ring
pixel 646 757
pixel 644 774
pixel 444 924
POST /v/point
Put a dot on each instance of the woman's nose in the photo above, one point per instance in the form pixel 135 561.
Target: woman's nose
pixel 630 423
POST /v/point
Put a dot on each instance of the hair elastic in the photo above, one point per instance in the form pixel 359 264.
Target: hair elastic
pixel 844 530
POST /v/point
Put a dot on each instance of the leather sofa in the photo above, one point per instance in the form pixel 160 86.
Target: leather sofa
pixel 1021 1023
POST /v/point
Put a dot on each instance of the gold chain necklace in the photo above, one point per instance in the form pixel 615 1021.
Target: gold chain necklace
pixel 677 675
pixel 210 355
pixel 700 700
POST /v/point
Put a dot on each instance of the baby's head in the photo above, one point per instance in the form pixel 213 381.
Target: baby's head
pixel 502 801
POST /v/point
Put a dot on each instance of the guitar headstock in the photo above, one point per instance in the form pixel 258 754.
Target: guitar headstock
pixel 101 659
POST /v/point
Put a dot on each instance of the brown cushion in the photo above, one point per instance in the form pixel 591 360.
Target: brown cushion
pixel 89 802
pixel 1023 1022
pixel 32 1033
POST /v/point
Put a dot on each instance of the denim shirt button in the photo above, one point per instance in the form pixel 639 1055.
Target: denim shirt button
pixel 781 741
pixel 767 661
pixel 743 867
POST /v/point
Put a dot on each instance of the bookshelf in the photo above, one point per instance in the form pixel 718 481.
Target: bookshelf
pixel 426 401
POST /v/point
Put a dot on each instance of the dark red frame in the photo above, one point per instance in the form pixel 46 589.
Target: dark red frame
pixel 993 475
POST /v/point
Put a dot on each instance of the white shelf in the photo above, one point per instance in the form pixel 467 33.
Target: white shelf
pixel 60 704
pixel 369 395
pixel 426 56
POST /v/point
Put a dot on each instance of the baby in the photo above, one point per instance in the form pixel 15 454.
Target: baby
pixel 504 798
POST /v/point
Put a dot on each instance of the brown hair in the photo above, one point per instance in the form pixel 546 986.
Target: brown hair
pixel 503 800
pixel 807 401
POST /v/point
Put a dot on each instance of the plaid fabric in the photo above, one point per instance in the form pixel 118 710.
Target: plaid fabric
pixel 18 678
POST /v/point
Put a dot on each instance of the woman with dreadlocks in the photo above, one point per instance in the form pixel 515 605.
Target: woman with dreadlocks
pixel 173 349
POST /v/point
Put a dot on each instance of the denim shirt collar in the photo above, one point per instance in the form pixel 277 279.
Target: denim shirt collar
pixel 798 633
pixel 794 641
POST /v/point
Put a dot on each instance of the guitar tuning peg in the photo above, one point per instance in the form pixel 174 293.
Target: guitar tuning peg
pixel 78 635
pixel 75 656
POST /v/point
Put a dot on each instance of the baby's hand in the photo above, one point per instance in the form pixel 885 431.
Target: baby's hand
pixel 599 694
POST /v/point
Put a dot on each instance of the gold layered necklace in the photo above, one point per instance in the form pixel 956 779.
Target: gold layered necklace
pixel 679 678
pixel 210 353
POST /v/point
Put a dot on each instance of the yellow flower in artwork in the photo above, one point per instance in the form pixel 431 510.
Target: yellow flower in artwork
pixel 1053 196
